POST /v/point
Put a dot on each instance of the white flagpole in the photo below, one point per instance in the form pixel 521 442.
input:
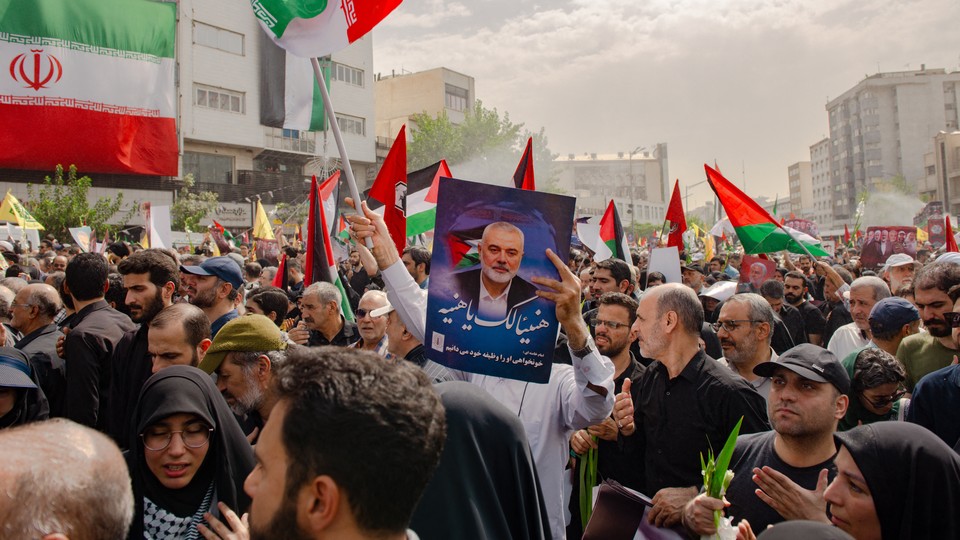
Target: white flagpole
pixel 335 127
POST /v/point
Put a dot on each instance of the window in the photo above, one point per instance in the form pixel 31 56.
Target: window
pixel 217 38
pixel 218 98
pixel 352 125
pixel 455 98
pixel 347 74
pixel 208 167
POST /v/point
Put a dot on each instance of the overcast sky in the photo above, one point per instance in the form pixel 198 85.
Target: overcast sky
pixel 742 82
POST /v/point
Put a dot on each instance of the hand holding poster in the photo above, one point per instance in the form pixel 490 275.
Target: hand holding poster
pixel 483 312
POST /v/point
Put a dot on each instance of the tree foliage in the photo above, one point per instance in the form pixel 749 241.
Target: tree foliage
pixel 486 146
pixel 191 207
pixel 291 213
pixel 61 202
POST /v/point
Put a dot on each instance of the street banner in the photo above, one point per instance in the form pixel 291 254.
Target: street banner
pixel 483 314
pixel 89 82
pixel 882 242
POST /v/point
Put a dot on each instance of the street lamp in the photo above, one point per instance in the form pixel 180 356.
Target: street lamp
pixel 686 193
pixel 633 211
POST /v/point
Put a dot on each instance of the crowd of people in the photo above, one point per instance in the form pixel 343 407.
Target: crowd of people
pixel 151 393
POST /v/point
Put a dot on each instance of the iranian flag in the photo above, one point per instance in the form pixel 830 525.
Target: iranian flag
pixel 320 265
pixel 290 95
pixel 88 82
pixel 756 229
pixel 613 238
pixel 315 28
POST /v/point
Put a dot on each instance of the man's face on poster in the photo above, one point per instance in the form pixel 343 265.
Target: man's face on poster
pixel 501 251
pixel 870 236
pixel 901 236
pixel 757 273
pixel 884 235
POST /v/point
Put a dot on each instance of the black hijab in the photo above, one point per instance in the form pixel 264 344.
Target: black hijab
pixel 31 404
pixel 486 484
pixel 229 459
pixel 914 478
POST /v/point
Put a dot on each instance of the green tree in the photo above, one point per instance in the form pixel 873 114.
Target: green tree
pixel 292 213
pixel 61 202
pixel 434 139
pixel 191 207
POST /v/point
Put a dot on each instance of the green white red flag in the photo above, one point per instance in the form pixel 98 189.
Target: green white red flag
pixel 88 82
pixel 612 237
pixel 757 230
pixel 315 28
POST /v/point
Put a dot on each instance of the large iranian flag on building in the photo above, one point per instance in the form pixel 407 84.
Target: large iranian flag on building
pixel 88 82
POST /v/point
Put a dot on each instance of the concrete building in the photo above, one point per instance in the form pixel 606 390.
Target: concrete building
pixel 222 141
pixel 881 129
pixel 801 189
pixel 637 182
pixel 943 172
pixel 401 96
pixel 822 191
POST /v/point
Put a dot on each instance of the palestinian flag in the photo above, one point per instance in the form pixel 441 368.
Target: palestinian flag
pixel 315 28
pixel 677 221
pixel 757 229
pixel 320 265
pixel 613 238
pixel 464 251
pixel 219 235
pixel 523 176
pixel 290 95
pixel 89 82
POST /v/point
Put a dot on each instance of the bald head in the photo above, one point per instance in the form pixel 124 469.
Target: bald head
pixel 58 477
pixel 683 301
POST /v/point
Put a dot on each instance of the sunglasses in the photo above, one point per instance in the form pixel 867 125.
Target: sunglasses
pixel 952 318
pixel 883 401
pixel 361 313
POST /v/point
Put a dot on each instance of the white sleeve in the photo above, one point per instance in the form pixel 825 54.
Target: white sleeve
pixel 583 407
pixel 407 298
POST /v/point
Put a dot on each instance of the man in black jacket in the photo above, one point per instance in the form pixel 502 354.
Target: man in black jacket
pixel 32 313
pixel 95 330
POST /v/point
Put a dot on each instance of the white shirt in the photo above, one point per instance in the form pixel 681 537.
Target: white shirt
pixel 847 339
pixel 760 384
pixel 493 308
pixel 550 412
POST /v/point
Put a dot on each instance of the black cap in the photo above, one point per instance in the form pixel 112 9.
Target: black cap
pixel 810 362
pixel 694 267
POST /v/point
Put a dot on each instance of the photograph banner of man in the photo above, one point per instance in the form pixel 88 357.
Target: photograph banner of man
pixel 483 314
pixel 882 242
pixel 753 272
pixel 803 225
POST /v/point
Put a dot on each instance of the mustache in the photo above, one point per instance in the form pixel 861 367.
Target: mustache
pixel 934 322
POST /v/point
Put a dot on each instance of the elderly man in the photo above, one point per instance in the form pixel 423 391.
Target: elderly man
pixel 245 355
pixel 33 311
pixel 401 343
pixel 745 327
pixel 692 275
pixel 321 320
pixel 864 293
pixel 892 320
pixel 60 480
pixel 934 349
pixel 373 330
pixel 687 402
pixel 495 289
pixel 899 270
pixel 311 485
pixel 781 474
pixel 213 286
pixel 179 335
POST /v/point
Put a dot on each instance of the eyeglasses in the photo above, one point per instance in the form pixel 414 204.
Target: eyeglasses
pixel 361 313
pixel 192 437
pixel 613 325
pixel 731 325
pixel 952 318
pixel 14 305
pixel 883 401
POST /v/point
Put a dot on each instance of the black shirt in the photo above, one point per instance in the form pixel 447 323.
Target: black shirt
pixel 793 320
pixel 678 419
pixel 813 320
pixel 348 335
pixel 623 465
pixel 754 451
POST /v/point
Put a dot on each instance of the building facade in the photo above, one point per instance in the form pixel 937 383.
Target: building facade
pixel 399 97
pixel 822 198
pixel 801 189
pixel 637 182
pixel 881 129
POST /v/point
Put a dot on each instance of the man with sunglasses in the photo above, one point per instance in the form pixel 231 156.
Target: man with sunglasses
pixel 927 352
pixel 373 330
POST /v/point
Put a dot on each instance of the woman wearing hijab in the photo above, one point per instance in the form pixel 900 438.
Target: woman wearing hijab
pixel 485 486
pixel 21 399
pixel 187 454
pixel 895 480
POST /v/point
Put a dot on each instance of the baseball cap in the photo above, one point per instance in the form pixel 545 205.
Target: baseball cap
pixel 244 334
pixel 810 362
pixel 380 311
pixel 14 369
pixel 890 314
pixel 694 267
pixel 899 259
pixel 222 267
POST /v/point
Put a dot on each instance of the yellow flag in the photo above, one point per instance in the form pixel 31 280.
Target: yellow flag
pixel 708 247
pixel 261 225
pixel 11 210
pixel 922 235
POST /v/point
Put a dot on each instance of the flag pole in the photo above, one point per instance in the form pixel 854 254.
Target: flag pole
pixel 335 127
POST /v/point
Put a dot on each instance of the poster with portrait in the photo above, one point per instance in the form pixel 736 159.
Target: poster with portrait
pixel 753 272
pixel 882 242
pixel 803 225
pixel 483 314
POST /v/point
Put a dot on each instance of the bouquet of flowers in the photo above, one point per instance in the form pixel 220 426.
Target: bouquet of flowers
pixel 716 480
